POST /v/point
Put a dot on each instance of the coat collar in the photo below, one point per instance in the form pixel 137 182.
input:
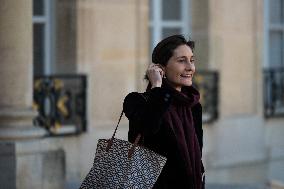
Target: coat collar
pixel 189 95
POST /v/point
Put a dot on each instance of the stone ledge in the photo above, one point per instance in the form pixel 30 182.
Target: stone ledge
pixel 24 132
pixel 17 123
pixel 274 184
pixel 41 168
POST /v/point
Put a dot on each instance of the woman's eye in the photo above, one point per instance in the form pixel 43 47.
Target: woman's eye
pixel 181 60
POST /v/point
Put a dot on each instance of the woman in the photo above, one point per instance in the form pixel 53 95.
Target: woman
pixel 169 116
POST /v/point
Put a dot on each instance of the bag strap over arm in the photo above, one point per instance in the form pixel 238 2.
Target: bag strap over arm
pixel 110 142
pixel 113 135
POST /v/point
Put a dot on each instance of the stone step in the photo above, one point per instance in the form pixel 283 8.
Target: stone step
pixel 272 184
pixel 234 186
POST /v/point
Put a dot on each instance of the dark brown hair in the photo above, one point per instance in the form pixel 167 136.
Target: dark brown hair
pixel 165 48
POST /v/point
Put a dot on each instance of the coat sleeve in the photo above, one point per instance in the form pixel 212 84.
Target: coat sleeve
pixel 145 110
pixel 197 119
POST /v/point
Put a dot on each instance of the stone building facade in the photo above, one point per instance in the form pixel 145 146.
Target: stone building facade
pixel 109 41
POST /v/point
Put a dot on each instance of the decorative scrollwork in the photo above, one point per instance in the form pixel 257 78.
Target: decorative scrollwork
pixel 61 103
pixel 207 83
pixel 273 92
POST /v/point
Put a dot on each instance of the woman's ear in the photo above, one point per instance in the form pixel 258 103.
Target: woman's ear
pixel 164 71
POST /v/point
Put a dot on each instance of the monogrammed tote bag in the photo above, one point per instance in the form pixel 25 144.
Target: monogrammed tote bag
pixel 121 164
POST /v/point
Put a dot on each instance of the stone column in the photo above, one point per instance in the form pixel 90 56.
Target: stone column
pixel 16 71
pixel 238 137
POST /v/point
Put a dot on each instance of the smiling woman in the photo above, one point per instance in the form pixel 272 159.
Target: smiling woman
pixel 174 57
pixel 169 115
pixel 180 68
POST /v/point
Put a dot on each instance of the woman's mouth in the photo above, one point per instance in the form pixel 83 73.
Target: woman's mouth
pixel 187 76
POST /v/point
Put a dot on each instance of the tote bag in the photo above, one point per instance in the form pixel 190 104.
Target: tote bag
pixel 121 164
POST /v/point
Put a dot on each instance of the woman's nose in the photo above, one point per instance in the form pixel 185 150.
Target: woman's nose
pixel 190 66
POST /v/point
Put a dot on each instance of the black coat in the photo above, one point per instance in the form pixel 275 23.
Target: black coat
pixel 145 113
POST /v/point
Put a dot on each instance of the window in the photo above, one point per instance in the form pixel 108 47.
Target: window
pixel 59 92
pixel 274 58
pixel 275 33
pixel 42 37
pixel 164 22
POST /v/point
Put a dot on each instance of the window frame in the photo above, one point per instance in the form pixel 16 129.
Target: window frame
pixel 157 23
pixel 271 91
pixel 48 21
pixel 268 28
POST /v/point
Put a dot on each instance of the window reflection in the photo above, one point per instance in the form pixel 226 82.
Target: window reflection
pixel 171 9
pixel 38 7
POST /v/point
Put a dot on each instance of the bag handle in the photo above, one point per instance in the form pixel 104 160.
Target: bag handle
pixel 131 150
pixel 110 141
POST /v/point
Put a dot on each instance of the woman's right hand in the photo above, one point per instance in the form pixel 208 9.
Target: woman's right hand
pixel 155 74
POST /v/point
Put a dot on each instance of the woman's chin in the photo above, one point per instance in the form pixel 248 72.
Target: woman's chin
pixel 187 84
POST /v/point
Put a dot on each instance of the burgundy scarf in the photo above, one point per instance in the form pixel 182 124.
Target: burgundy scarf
pixel 179 118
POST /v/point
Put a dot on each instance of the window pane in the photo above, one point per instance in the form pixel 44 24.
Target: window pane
pixel 151 9
pixel 38 47
pixel 276 49
pixel 276 11
pixel 170 31
pixel 151 39
pixel 38 7
pixel 171 9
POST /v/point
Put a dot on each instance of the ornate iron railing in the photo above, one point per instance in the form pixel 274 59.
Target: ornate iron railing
pixel 273 92
pixel 61 103
pixel 207 83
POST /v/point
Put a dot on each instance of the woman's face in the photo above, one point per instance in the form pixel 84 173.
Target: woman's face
pixel 180 67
